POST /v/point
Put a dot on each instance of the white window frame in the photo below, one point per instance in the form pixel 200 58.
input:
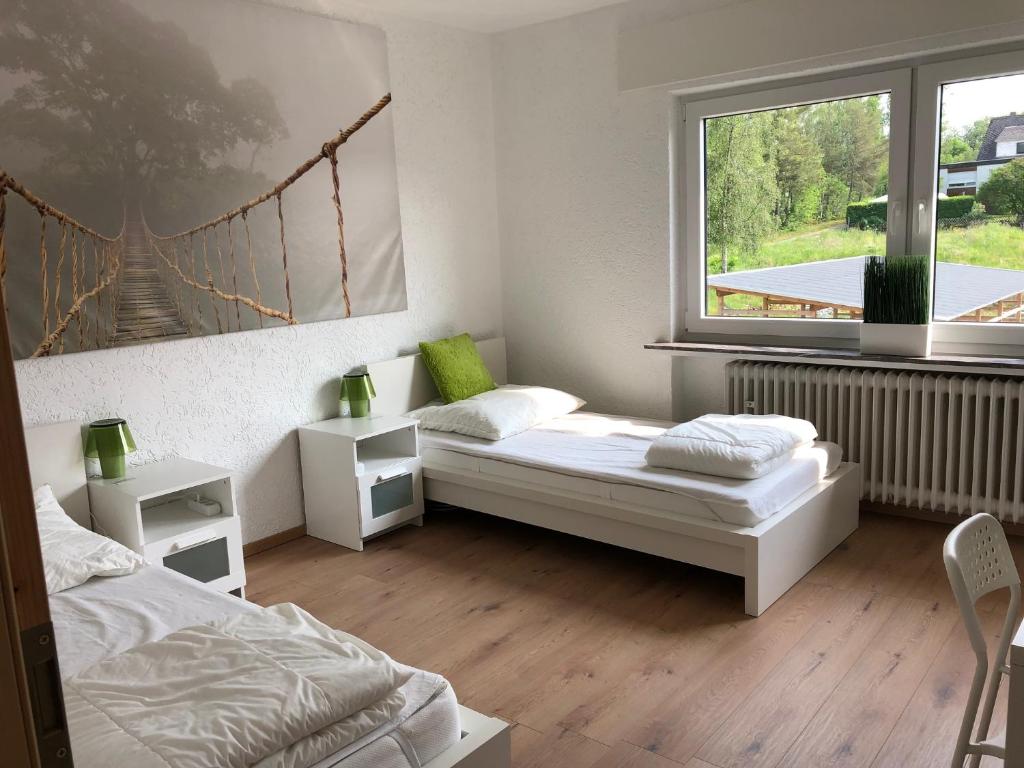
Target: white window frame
pixel 924 185
pixel 897 82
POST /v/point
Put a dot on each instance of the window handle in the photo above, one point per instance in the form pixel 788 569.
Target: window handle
pixel 922 219
pixel 894 213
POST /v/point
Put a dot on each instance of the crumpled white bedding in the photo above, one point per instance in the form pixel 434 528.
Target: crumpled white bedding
pixel 72 554
pixel 743 446
pixel 273 688
pixel 104 617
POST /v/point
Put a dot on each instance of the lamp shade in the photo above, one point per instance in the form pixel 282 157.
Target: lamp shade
pixel 357 389
pixel 109 441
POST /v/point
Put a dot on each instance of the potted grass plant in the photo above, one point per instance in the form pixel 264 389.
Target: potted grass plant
pixel 896 306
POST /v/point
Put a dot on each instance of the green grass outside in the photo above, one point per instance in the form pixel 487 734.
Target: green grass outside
pixel 988 245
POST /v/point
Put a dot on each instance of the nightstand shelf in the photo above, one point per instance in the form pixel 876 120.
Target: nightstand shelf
pixel 360 477
pixel 174 518
pixel 147 511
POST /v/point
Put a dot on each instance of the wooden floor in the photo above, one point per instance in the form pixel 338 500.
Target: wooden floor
pixel 605 658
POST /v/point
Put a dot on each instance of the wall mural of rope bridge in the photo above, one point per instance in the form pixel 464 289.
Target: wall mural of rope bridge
pixel 153 179
pixel 149 285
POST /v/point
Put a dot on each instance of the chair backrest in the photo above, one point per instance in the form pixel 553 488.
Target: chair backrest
pixel 978 559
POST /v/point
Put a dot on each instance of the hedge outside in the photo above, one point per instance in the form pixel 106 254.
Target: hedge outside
pixel 873 215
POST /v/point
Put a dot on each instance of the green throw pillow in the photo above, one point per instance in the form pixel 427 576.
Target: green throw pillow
pixel 457 368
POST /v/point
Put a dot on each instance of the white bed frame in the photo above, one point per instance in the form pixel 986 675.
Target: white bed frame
pixel 55 458
pixel 771 556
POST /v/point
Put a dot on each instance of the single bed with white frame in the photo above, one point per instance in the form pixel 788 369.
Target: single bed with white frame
pixel 55 458
pixel 770 556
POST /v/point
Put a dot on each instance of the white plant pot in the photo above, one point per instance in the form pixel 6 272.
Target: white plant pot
pixel 895 339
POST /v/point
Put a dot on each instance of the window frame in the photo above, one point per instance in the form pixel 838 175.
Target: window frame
pixel 923 227
pixel 897 82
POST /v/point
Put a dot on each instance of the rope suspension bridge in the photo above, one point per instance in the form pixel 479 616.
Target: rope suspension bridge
pixel 145 286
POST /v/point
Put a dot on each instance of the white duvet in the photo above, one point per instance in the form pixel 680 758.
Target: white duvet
pixel 72 554
pixel 612 449
pixel 273 688
pixel 744 447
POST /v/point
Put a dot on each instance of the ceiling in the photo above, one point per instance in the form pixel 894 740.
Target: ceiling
pixel 486 15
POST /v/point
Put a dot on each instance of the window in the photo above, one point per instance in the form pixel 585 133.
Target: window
pixel 979 244
pixel 788 190
pixel 793 199
pixel 970 117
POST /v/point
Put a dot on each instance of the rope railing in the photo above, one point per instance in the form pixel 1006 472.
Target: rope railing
pixel 219 294
pixel 70 231
pixel 109 256
pixel 329 152
pixel 298 173
pixel 47 344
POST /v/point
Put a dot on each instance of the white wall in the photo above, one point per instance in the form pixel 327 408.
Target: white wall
pixel 235 400
pixel 761 38
pixel 583 175
pixel 583 201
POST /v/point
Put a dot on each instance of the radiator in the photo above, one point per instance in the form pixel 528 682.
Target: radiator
pixel 942 442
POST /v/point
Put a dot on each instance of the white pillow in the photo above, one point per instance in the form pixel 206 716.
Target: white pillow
pixel 499 413
pixel 72 554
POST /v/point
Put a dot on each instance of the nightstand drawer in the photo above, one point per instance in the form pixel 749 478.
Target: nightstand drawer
pixel 210 554
pixel 390 498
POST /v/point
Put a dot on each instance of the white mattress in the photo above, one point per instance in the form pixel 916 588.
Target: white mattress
pixel 603 456
pixel 105 616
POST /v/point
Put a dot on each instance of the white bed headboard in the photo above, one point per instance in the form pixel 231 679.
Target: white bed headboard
pixel 404 384
pixel 55 459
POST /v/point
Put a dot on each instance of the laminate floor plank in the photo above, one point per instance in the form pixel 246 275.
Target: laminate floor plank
pixel 605 658
pixel 557 747
pixel 764 727
pixel 925 734
pixel 854 723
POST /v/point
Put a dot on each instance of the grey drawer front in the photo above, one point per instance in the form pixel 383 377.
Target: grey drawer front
pixel 390 495
pixel 204 562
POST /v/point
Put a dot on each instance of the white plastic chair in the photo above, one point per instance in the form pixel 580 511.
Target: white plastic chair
pixel 978 561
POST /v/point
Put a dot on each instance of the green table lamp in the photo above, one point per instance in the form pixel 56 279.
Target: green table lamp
pixel 357 389
pixel 109 441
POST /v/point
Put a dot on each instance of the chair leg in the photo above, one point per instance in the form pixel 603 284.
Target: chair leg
pixel 963 741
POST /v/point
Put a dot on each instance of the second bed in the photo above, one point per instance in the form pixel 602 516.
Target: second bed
pixel 584 474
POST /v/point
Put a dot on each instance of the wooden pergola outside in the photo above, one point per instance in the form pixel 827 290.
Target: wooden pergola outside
pixel 833 288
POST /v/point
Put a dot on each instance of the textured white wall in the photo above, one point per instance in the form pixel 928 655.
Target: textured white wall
pixel 583 199
pixel 235 400
pixel 758 38
pixel 583 190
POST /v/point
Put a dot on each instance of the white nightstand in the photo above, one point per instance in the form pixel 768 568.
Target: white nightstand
pixel 147 511
pixel 360 477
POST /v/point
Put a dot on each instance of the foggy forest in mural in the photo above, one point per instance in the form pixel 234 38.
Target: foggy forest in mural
pixel 133 133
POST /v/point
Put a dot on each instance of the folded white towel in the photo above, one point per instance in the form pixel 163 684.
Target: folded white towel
pixel 743 446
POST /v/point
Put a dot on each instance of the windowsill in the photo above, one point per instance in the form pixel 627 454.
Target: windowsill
pixel 1006 366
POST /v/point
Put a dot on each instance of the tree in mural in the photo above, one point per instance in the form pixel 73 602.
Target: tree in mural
pixel 111 99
